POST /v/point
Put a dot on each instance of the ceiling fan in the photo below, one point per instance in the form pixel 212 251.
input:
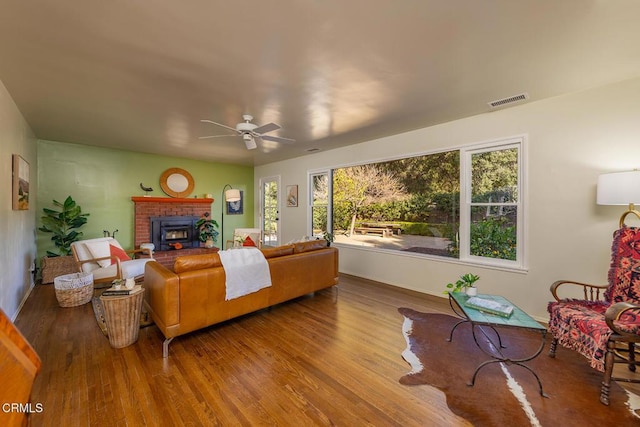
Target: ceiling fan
pixel 250 132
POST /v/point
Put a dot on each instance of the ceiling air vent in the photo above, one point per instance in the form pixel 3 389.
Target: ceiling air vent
pixel 510 100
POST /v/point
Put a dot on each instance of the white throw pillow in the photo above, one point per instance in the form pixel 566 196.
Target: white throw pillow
pixel 98 250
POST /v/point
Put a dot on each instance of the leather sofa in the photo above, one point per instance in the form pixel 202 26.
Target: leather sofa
pixel 192 296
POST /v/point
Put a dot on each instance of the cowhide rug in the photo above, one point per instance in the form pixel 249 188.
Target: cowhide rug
pixel 507 395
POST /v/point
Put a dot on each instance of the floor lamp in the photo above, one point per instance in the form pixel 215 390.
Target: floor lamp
pixel 230 195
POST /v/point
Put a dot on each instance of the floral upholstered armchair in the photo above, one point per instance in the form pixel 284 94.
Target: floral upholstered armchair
pixel 604 326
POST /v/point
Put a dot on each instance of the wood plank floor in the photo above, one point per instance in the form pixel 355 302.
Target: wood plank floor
pixel 328 359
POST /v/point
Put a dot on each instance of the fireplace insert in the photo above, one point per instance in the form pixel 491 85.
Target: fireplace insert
pixel 173 232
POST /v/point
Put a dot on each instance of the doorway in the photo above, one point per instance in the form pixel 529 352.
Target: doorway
pixel 270 212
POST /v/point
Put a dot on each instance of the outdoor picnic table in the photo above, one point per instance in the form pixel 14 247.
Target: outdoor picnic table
pixel 384 229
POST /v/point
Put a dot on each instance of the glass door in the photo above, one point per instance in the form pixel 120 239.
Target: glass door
pixel 270 195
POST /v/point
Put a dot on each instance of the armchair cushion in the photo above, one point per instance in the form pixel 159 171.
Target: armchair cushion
pixel 99 249
pixel 580 326
pixel 118 252
pixel 133 268
pixel 244 233
pixel 624 271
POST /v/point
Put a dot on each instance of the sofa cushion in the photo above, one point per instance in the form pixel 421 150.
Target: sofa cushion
pixel 311 245
pixel 248 241
pixel 196 262
pixel 277 251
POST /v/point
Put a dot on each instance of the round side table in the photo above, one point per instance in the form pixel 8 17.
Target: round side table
pixel 122 315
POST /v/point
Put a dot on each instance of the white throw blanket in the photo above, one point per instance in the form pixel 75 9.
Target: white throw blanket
pixel 247 271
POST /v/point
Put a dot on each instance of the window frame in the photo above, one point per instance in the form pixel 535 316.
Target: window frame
pixel 310 201
pixel 465 152
pixel 466 203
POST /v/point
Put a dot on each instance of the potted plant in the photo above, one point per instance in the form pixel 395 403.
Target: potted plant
pixel 238 241
pixel 464 284
pixel 329 237
pixel 207 229
pixel 62 224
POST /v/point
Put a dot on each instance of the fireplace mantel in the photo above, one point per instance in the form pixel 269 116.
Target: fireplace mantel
pixel 145 199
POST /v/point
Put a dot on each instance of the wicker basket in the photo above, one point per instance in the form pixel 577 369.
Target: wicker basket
pixel 122 316
pixel 53 267
pixel 74 289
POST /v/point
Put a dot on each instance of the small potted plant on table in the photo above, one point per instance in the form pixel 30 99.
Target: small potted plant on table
pixel 464 284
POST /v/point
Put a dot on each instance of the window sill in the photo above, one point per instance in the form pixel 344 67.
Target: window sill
pixel 395 252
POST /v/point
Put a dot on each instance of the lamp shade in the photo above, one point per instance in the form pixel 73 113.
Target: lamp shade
pixel 232 195
pixel 619 188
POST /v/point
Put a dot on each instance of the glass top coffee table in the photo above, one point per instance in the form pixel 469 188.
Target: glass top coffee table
pixel 518 319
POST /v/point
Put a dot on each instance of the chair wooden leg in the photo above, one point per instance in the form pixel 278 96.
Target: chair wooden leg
pixel 552 347
pixel 632 357
pixel 608 371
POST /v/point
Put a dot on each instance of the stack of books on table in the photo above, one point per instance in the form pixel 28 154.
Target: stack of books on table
pixel 490 306
pixel 112 291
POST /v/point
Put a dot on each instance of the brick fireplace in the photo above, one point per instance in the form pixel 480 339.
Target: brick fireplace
pixel 148 207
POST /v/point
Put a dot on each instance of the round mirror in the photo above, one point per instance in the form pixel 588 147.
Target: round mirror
pixel 176 182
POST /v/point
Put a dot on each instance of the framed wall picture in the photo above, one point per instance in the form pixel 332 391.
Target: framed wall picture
pixel 236 208
pixel 20 199
pixel 292 196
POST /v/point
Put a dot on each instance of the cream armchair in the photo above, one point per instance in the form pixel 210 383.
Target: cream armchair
pixel 240 235
pixel 107 261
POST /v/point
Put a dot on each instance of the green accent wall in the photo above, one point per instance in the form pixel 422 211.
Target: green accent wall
pixel 102 181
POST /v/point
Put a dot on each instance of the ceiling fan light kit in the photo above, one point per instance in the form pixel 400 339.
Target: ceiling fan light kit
pixel 249 141
pixel 250 132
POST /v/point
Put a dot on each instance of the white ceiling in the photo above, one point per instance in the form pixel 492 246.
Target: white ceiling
pixel 140 75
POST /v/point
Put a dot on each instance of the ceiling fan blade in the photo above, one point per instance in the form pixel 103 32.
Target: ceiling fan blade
pixel 278 139
pixel 219 124
pixel 214 136
pixel 269 127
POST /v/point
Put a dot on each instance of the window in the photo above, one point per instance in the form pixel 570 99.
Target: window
pixel 409 204
pixel 460 204
pixel 492 216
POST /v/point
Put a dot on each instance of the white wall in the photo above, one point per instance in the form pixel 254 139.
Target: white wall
pixel 570 140
pixel 17 228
